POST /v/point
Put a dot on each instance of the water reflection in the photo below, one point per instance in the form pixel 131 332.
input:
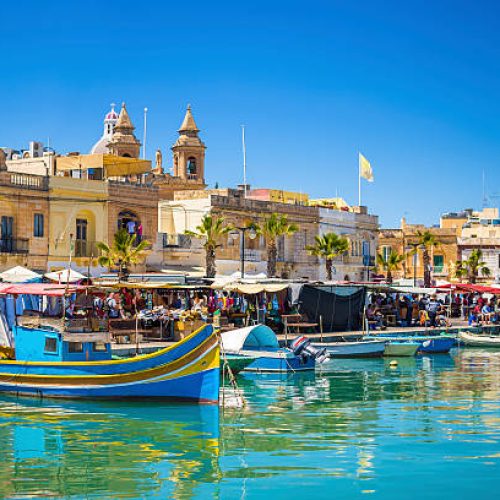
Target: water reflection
pixel 347 428
pixel 83 448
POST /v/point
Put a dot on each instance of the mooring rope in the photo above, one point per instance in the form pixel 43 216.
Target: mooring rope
pixel 227 369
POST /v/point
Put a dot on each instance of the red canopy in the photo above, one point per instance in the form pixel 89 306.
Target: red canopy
pixel 49 289
pixel 469 287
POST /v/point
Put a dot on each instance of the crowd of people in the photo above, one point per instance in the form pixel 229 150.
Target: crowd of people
pixel 430 310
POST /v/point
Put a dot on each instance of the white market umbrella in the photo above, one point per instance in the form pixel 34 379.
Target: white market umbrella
pixel 65 276
pixel 19 274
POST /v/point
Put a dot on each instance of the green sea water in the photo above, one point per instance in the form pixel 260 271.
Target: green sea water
pixel 428 428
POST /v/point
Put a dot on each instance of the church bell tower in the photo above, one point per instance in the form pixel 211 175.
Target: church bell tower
pixel 189 152
pixel 124 142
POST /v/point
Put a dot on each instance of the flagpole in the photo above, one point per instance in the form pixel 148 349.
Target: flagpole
pixel 244 160
pixel 145 133
pixel 359 182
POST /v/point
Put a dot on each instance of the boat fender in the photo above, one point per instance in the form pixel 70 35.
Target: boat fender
pixel 302 346
pixel 426 343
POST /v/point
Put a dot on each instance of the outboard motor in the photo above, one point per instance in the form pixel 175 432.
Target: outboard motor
pixel 302 346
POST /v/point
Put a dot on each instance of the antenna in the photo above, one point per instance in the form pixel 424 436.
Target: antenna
pixel 145 132
pixel 244 160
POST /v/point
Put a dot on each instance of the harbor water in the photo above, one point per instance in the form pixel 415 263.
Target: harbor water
pixel 427 427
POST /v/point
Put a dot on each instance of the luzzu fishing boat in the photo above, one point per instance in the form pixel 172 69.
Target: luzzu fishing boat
pixel 71 358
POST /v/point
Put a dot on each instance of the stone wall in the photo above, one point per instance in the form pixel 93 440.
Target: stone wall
pixel 21 197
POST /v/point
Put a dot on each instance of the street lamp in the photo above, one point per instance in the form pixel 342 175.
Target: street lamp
pixel 240 232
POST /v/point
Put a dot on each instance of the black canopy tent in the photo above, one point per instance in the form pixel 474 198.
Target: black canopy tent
pixel 338 308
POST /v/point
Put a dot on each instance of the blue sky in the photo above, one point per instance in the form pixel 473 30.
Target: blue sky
pixel 413 85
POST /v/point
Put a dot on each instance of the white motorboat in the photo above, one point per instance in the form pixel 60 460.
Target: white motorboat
pixel 473 340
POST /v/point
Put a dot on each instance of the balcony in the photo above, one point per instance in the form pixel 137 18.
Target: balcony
pixel 441 270
pixel 172 241
pixel 14 245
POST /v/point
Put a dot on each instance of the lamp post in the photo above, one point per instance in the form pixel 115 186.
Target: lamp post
pixel 240 231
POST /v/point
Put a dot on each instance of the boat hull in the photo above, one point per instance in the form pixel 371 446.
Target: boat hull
pixel 279 361
pixel 238 363
pixel 186 371
pixel 401 349
pixel 471 340
pixel 437 344
pixel 371 349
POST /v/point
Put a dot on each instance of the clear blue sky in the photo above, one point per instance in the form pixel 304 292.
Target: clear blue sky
pixel 414 85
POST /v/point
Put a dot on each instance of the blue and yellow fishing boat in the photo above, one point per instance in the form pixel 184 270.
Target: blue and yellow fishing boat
pixel 71 358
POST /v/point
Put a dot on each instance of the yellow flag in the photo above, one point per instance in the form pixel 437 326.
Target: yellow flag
pixel 365 169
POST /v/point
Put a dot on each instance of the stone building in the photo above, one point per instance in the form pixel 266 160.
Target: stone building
pixel 178 251
pixel 400 240
pixel 361 229
pixel 24 216
pixel 478 230
pixel 48 200
pixel 188 208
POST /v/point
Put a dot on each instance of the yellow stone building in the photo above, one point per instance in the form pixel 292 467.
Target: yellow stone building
pixel 52 205
pixel 402 240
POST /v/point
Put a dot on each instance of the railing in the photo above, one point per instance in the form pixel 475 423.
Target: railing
pixel 14 245
pixel 172 240
pixel 84 248
pixel 29 181
pixel 440 270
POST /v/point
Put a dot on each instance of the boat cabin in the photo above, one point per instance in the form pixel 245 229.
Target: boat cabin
pixel 45 344
pixel 63 326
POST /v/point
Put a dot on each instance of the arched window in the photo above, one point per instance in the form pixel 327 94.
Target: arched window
pixel 126 155
pixel 191 168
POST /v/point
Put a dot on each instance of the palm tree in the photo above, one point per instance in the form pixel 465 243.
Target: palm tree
pixel 328 246
pixel 273 228
pixel 210 229
pixel 123 253
pixel 389 263
pixel 471 267
pixel 427 241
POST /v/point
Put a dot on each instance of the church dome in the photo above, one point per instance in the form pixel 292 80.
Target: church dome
pixel 110 121
pixel 101 146
pixel 112 115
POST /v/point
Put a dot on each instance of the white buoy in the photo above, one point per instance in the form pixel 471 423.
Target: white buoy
pixel 393 363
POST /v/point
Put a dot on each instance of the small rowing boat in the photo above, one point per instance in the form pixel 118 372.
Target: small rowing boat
pixel 472 340
pixel 361 349
pixel 401 349
pixel 428 344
